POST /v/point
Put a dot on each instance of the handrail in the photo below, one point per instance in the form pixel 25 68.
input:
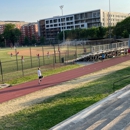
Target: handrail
pixel 119 81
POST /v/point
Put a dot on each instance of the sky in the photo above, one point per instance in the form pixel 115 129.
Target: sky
pixel 34 10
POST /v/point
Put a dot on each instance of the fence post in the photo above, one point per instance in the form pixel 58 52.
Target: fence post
pixel 59 53
pixel 22 60
pixel 76 50
pixel 16 53
pixel 31 57
pixel 1 71
pixel 68 51
pixel 54 53
pixel 53 60
pixel 43 55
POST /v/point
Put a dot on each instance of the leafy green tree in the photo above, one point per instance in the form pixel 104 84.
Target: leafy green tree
pixel 11 33
pixel 90 33
pixel 122 29
pixel 2 44
pixel 33 40
pixel 42 40
pixel 101 32
pixel 60 36
pixel 125 34
pixel 26 41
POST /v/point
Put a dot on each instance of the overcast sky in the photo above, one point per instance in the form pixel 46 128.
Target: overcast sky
pixel 34 10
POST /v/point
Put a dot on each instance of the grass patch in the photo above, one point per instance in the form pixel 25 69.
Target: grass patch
pixel 58 108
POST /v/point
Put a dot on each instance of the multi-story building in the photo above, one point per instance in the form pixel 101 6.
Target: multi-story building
pixel 50 27
pixel 29 30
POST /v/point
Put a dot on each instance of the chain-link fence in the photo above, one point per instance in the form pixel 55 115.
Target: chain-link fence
pixel 24 61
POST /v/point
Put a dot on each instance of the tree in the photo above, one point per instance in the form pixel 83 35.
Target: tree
pixel 33 40
pixel 122 29
pixel 125 34
pixel 26 41
pixel 2 44
pixel 101 32
pixel 42 40
pixel 11 33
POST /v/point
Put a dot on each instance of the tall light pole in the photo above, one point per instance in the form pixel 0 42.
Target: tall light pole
pixel 109 19
pixel 61 7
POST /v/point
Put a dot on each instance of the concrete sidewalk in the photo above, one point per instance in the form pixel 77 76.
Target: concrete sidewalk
pixel 111 113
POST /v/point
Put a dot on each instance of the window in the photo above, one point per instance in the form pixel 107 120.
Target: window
pixel 67 19
pixel 94 14
pixel 82 25
pixel 55 20
pixel 47 22
pixel 55 25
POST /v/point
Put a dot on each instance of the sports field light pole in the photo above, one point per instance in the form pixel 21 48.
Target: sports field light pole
pixel 22 60
pixel 31 56
pixel 43 55
pixel 61 7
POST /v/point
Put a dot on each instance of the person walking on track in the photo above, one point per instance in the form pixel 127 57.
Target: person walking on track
pixel 103 56
pixel 39 76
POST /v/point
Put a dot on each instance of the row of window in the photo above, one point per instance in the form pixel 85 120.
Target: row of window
pixel 112 24
pixel 59 20
pixel 116 20
pixel 47 26
pixel 88 15
pixel 111 15
pixel 71 27
pixel 78 16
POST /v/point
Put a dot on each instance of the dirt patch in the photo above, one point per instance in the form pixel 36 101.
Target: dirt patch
pixel 34 51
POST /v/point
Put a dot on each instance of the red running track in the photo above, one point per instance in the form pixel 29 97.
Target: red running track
pixel 16 91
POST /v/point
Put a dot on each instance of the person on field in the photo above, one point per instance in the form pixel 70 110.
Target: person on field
pixel 11 55
pixel 103 56
pixel 39 76
pixel 48 55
